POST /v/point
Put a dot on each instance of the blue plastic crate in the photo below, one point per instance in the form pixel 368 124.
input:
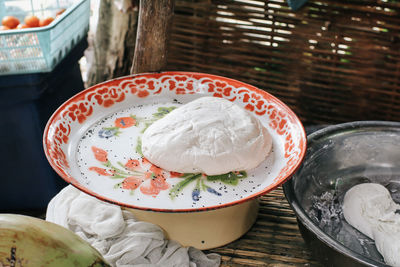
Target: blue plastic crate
pixel 34 50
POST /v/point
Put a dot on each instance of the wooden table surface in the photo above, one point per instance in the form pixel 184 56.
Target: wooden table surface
pixel 274 239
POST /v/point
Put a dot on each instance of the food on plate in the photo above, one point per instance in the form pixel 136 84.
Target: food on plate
pixel 10 22
pixel 32 21
pixel 46 21
pixel 208 135
pixel 370 209
pixel 4 28
pixel 28 241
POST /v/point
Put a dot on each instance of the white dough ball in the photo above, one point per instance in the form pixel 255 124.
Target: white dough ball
pixel 369 208
pixel 209 135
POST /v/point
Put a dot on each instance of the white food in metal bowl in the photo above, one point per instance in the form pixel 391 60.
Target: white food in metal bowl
pixel 208 135
pixel 370 209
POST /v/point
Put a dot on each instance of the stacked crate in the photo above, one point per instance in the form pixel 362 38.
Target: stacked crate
pixel 39 70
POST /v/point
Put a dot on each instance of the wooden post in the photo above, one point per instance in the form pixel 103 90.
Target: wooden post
pixel 155 18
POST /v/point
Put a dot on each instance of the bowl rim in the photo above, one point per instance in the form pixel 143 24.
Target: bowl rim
pixel 301 213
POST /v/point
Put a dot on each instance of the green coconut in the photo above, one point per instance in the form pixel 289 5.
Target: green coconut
pixel 29 241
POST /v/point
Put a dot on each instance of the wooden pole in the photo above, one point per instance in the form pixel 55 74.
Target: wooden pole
pixel 155 18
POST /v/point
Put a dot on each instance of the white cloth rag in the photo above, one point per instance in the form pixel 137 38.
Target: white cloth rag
pixel 122 240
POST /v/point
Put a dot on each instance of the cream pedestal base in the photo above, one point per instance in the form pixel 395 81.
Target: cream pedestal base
pixel 204 229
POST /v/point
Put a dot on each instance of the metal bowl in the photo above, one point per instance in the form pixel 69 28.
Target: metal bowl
pixel 339 157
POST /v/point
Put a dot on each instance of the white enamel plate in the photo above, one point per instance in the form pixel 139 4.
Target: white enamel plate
pixel 93 142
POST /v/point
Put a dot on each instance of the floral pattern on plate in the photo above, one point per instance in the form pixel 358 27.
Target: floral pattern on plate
pixel 141 174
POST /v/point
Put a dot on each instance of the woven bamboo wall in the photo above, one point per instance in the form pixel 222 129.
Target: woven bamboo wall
pixel 330 61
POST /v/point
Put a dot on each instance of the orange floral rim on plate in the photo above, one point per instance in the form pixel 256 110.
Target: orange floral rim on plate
pixel 93 141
